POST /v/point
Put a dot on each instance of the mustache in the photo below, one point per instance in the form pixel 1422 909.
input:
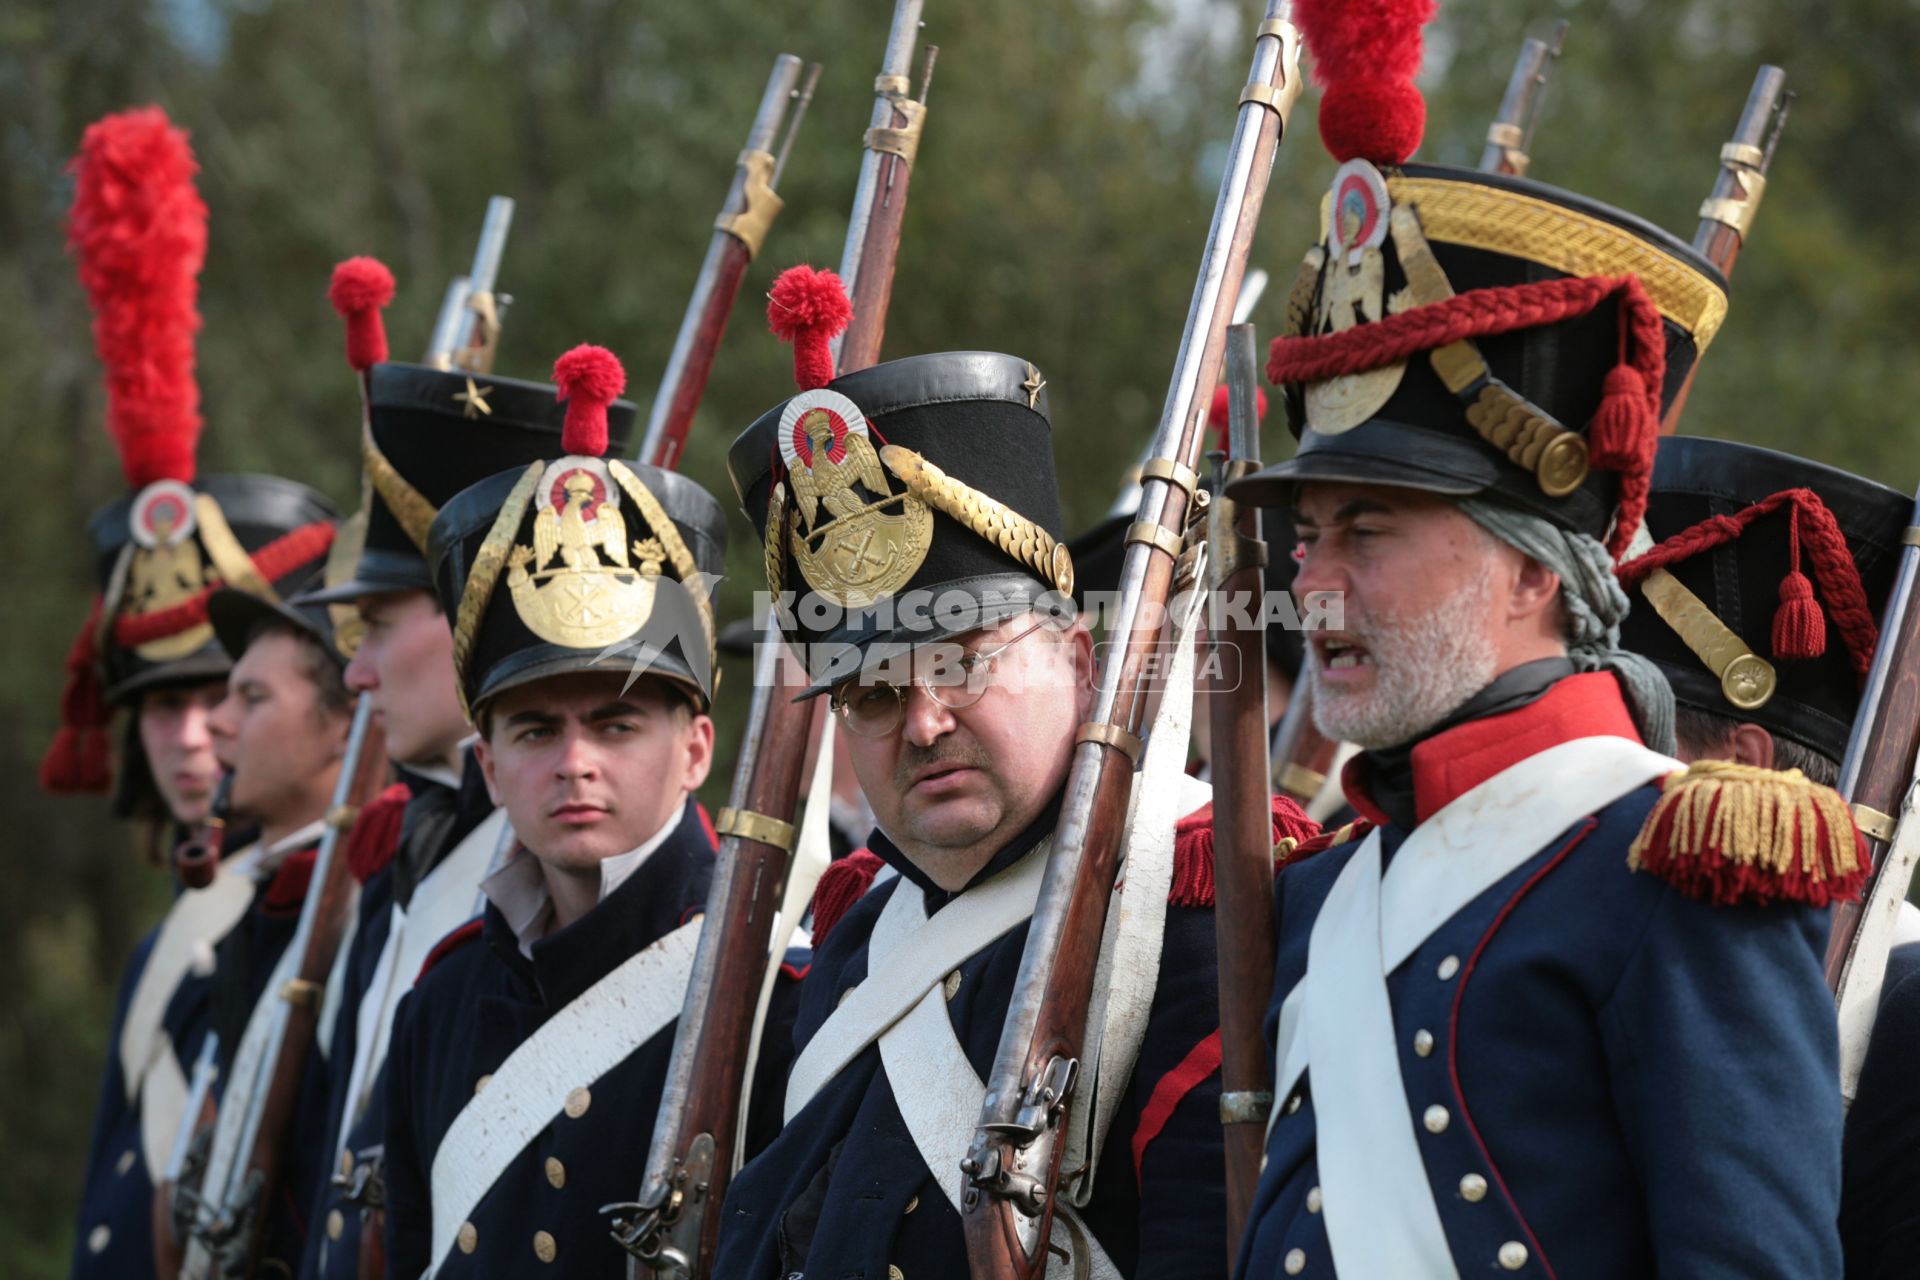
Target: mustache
pixel 914 760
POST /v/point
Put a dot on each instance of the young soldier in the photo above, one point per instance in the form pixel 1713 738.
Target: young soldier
pixel 139 230
pixel 423 441
pixel 526 1064
pixel 1516 1010
pixel 1760 602
pixel 960 703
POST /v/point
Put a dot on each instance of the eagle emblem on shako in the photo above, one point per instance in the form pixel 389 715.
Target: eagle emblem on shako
pixel 854 538
pixel 582 584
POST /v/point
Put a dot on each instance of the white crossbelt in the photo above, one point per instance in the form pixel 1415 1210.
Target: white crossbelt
pixel 593 1034
pixel 1380 1214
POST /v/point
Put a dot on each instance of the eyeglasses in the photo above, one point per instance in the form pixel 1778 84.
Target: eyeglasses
pixel 875 708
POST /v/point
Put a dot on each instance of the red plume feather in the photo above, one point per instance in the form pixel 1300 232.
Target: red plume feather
pixel 589 379
pixel 359 289
pixel 139 230
pixel 809 309
pixel 1365 54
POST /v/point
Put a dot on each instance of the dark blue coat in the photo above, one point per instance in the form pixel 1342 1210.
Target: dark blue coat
pixel 437 819
pixel 475 1005
pixel 1880 1197
pixel 1633 1082
pixel 843 1192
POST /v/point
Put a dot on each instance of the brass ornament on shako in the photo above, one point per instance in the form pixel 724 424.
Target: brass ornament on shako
pixel 853 537
pixel 583 583
pixel 163 566
pixel 1353 291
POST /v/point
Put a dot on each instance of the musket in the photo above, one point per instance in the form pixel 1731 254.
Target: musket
pixel 467 333
pixel 1012 1167
pixel 1726 217
pixel 196 1125
pixel 1877 778
pixel 1510 136
pixel 244 1169
pixel 671 1226
pixel 748 211
pixel 1242 825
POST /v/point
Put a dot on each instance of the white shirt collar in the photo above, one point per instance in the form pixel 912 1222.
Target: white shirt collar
pixel 520 891
pixel 254 860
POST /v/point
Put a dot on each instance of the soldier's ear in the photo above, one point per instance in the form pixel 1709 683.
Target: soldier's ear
pixel 483 755
pixel 1749 744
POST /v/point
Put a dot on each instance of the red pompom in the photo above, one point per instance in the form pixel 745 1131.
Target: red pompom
pixel 360 288
pixel 139 230
pixel 77 762
pixel 589 379
pixel 1365 54
pixel 809 309
pixel 375 834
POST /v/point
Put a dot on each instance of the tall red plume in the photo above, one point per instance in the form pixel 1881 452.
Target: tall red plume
pixel 589 378
pixel 139 230
pixel 1217 414
pixel 809 309
pixel 359 289
pixel 1365 54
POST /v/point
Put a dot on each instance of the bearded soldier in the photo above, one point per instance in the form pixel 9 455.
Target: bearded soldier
pixel 526 1064
pixel 138 228
pixel 1527 1016
pixel 926 592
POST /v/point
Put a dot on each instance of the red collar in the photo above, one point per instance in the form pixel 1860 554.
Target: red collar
pixel 1459 759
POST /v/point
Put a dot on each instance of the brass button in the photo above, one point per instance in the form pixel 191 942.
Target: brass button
pixel 336 1223
pixel 911 1206
pixel 1293 1104
pixel 1436 1119
pixel 543 1246
pixel 952 984
pixel 1513 1255
pixel 481 1083
pixel 99 1238
pixel 1295 1262
pixel 1423 1043
pixel 556 1173
pixel 469 1237
pixel 1313 1199
pixel 1449 967
pixel 346 1159
pixel 125 1163
pixel 895 1273
pixel 1473 1188
pixel 577 1103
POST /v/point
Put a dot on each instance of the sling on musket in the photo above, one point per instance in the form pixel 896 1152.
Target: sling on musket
pixel 1242 825
pixel 1877 778
pixel 466 335
pixel 244 1173
pixel 1013 1164
pixel 748 211
pixel 671 1226
pixel 1726 216
pixel 1510 136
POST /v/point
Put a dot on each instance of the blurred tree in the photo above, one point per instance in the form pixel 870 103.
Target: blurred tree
pixel 1062 194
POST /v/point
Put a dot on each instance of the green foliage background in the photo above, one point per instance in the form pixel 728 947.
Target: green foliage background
pixel 1064 188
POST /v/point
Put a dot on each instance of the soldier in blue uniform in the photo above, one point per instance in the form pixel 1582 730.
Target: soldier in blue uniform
pixel 424 439
pixel 1531 1016
pixel 959 674
pixel 138 228
pixel 527 1062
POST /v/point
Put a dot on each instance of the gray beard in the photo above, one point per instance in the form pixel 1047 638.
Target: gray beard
pixel 1425 667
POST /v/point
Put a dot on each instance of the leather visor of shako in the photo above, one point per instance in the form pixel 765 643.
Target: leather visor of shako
pixel 580 562
pixel 1468 333
pixel 1762 593
pixel 904 504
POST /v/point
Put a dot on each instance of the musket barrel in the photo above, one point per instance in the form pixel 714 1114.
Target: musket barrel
pixel 1511 132
pixel 448 324
pixel 493 244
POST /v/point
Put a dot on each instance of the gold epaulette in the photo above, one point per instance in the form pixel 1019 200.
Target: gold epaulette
pixel 1733 833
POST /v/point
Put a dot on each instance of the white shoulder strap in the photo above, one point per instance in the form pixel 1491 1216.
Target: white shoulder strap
pixel 593 1034
pixel 198 918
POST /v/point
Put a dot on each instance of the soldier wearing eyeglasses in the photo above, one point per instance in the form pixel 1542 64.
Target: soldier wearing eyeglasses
pixel 910 523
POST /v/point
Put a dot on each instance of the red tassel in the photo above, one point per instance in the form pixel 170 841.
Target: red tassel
pixel 1623 432
pixel 1365 54
pixel 809 309
pixel 139 230
pixel 841 886
pixel 1799 627
pixel 79 761
pixel 589 379
pixel 375 835
pixel 359 289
